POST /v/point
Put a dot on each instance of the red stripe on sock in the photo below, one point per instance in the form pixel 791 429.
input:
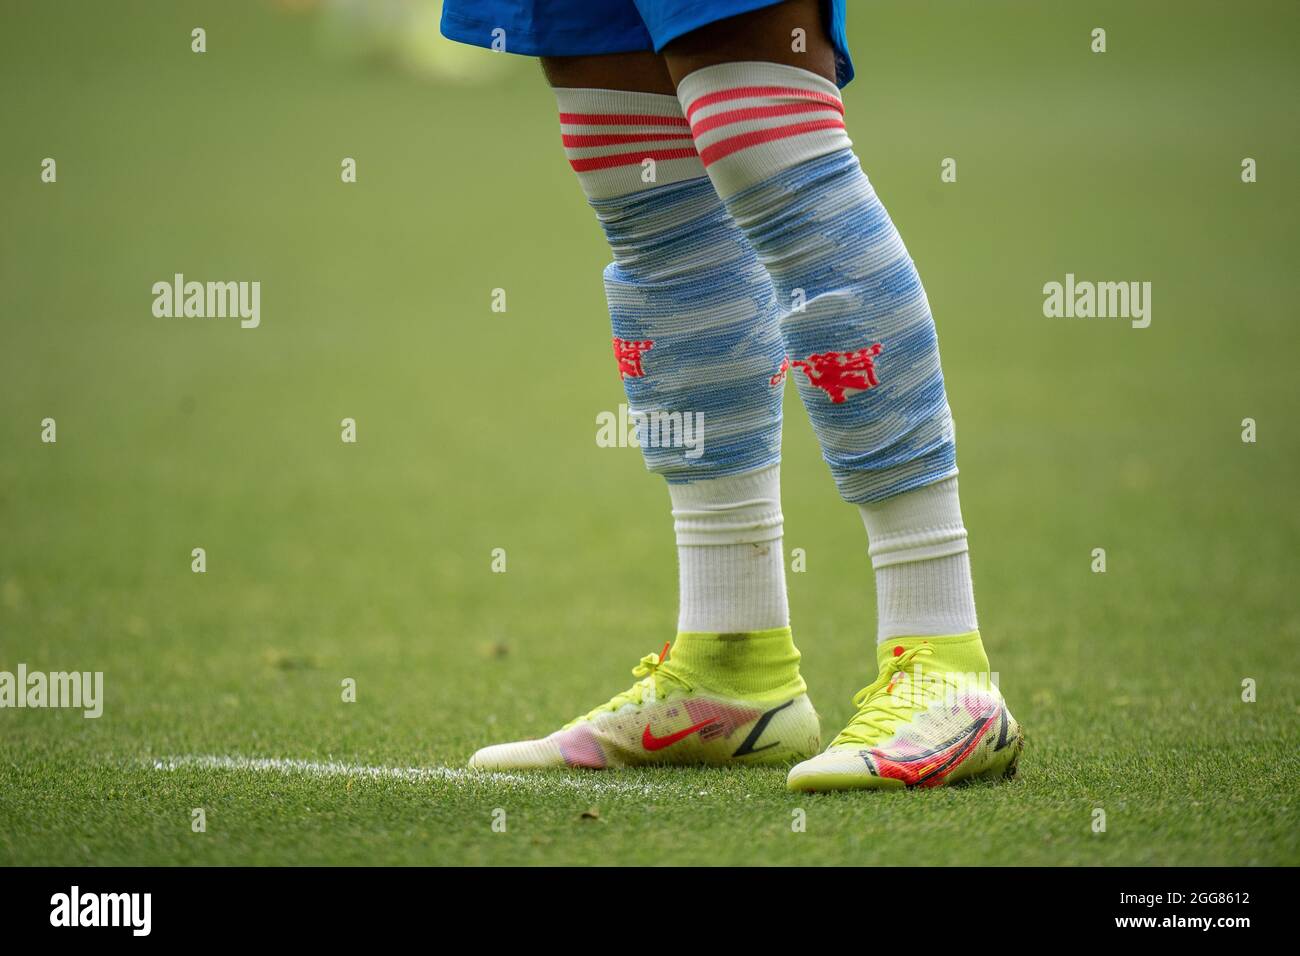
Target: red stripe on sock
pixel 756 112
pixel 612 139
pixel 744 92
pixel 621 119
pixel 628 159
pixel 733 144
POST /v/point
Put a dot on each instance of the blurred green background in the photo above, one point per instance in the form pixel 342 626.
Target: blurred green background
pixel 476 431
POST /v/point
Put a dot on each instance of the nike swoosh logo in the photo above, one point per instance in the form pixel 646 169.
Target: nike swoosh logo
pixel 748 747
pixel 1002 734
pixel 949 753
pixel 650 742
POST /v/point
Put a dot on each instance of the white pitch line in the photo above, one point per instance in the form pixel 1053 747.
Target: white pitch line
pixel 584 780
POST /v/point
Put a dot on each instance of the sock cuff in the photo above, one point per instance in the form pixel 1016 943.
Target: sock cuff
pixel 745 664
pixel 752 120
pixel 621 142
pixel 917 525
pixel 963 651
pixel 737 509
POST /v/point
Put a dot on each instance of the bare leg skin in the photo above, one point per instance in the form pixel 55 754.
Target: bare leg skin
pixel 764 35
pixel 633 72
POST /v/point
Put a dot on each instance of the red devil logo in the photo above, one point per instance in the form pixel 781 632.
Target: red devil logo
pixel 838 374
pixel 628 354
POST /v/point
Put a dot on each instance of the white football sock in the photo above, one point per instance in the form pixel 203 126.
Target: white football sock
pixel 731 563
pixel 918 549
pixel 695 338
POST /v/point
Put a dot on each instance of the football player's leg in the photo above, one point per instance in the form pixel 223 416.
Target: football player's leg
pixel 696 345
pixel 768 122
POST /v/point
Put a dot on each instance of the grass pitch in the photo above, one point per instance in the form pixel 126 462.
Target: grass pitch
pixel 371 561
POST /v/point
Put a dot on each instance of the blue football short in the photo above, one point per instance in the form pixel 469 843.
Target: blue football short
pixel 590 27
